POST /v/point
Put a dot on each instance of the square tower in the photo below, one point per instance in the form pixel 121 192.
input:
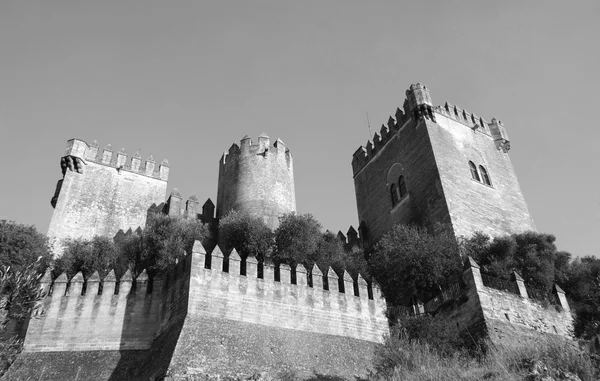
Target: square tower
pixel 438 164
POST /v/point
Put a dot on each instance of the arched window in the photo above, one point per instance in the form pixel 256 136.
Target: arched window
pixel 485 176
pixel 394 194
pixel 402 187
pixel 474 173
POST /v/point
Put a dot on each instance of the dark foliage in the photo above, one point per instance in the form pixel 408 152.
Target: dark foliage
pixel 164 240
pixel 582 285
pixel 248 234
pixel 297 239
pixel 22 245
pixel 532 255
pixel 88 255
pixel 410 261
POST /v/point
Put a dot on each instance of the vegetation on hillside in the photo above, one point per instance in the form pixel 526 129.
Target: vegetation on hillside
pixel 404 358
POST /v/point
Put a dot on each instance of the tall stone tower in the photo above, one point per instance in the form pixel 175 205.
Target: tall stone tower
pixel 101 193
pixel 434 164
pixel 258 179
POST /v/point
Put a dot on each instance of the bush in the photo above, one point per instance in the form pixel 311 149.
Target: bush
pixel 410 261
pixel 248 234
pixel 533 255
pixel 297 239
pixel 164 240
pixel 22 245
pixel 88 255
pixel 400 358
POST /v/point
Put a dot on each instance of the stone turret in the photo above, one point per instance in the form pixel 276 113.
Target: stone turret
pixel 257 179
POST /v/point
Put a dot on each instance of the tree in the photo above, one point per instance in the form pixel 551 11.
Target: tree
pixel 20 294
pixel 533 255
pixel 22 245
pixel 582 285
pixel 164 240
pixel 88 255
pixel 410 261
pixel 297 239
pixel 248 234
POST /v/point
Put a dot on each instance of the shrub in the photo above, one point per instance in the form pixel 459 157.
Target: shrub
pixel 248 234
pixel 297 239
pixel 409 260
pixel 87 255
pixel 22 245
pixel 164 240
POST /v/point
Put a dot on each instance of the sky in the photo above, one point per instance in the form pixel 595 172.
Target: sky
pixel 183 80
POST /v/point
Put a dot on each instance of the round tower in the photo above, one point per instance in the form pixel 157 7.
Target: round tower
pixel 257 179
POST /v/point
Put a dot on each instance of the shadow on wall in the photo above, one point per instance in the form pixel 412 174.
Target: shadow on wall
pixel 152 364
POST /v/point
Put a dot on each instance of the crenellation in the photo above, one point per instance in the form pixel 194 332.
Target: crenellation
pixel 377 141
pixel 268 272
pixel 363 287
pixel 107 154
pixel 317 278
pixel 285 274
pixel 235 263
pixel 251 267
pixel 76 285
pixel 348 283
pixel 301 275
pixel 391 123
pixel 121 158
pixel 333 281
pixel 352 235
pixel 216 259
pixel 93 284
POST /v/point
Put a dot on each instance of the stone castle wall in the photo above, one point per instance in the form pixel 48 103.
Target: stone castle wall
pixel 480 311
pixel 102 193
pixel 258 179
pixel 218 322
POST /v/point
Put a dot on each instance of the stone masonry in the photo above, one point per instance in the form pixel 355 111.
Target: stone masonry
pixel 257 179
pixel 102 193
pixel 217 322
pixel 431 147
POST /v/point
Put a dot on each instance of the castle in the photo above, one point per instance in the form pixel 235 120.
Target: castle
pixel 206 316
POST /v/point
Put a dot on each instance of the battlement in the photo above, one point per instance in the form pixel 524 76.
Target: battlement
pixel 78 153
pixel 128 313
pixel 484 307
pixel 191 209
pixel 263 148
pixel 418 105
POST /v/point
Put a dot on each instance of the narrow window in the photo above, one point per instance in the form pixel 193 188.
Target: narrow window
pixel 394 194
pixel 474 173
pixel 402 187
pixel 484 174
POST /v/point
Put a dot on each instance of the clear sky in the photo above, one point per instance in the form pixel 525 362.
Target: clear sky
pixel 183 80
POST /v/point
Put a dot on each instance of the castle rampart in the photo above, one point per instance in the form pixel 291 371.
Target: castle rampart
pixel 102 193
pixel 258 179
pixel 483 307
pixel 219 320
